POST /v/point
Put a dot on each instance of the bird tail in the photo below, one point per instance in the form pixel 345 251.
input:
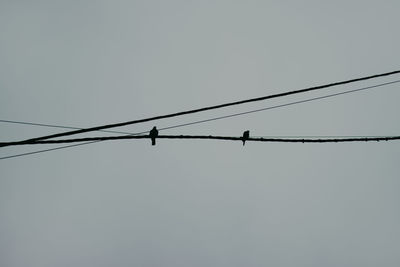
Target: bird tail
pixel 153 141
pixel 243 141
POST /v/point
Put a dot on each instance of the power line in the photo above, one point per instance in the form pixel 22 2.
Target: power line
pixel 228 138
pixel 297 139
pixel 222 117
pixel 227 116
pixel 321 136
pixel 208 108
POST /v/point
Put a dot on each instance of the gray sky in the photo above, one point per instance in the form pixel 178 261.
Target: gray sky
pixel 199 203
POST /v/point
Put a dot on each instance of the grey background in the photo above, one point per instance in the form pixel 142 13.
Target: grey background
pixel 199 203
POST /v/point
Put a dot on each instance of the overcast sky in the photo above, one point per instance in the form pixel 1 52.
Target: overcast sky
pixel 199 202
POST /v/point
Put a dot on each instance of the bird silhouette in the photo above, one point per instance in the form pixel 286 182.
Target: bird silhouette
pixel 246 135
pixel 153 135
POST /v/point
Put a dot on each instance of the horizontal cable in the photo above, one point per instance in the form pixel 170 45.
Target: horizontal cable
pixel 228 138
pixel 284 140
pixel 265 137
pixel 208 108
pixel 322 136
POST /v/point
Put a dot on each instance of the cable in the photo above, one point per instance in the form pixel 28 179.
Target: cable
pixel 208 108
pixel 222 117
pixel 216 118
pixel 320 136
pixel 57 126
pixel 259 139
pixel 270 137
pixel 229 138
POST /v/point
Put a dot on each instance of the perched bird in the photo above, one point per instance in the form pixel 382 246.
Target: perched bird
pixel 246 135
pixel 153 135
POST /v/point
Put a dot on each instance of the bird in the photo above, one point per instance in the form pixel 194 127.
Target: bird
pixel 246 135
pixel 153 135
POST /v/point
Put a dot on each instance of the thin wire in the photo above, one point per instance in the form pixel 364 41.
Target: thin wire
pixel 221 117
pixel 208 108
pixel 57 126
pixel 46 150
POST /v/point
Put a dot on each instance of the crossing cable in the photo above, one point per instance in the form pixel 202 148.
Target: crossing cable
pixel 205 108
